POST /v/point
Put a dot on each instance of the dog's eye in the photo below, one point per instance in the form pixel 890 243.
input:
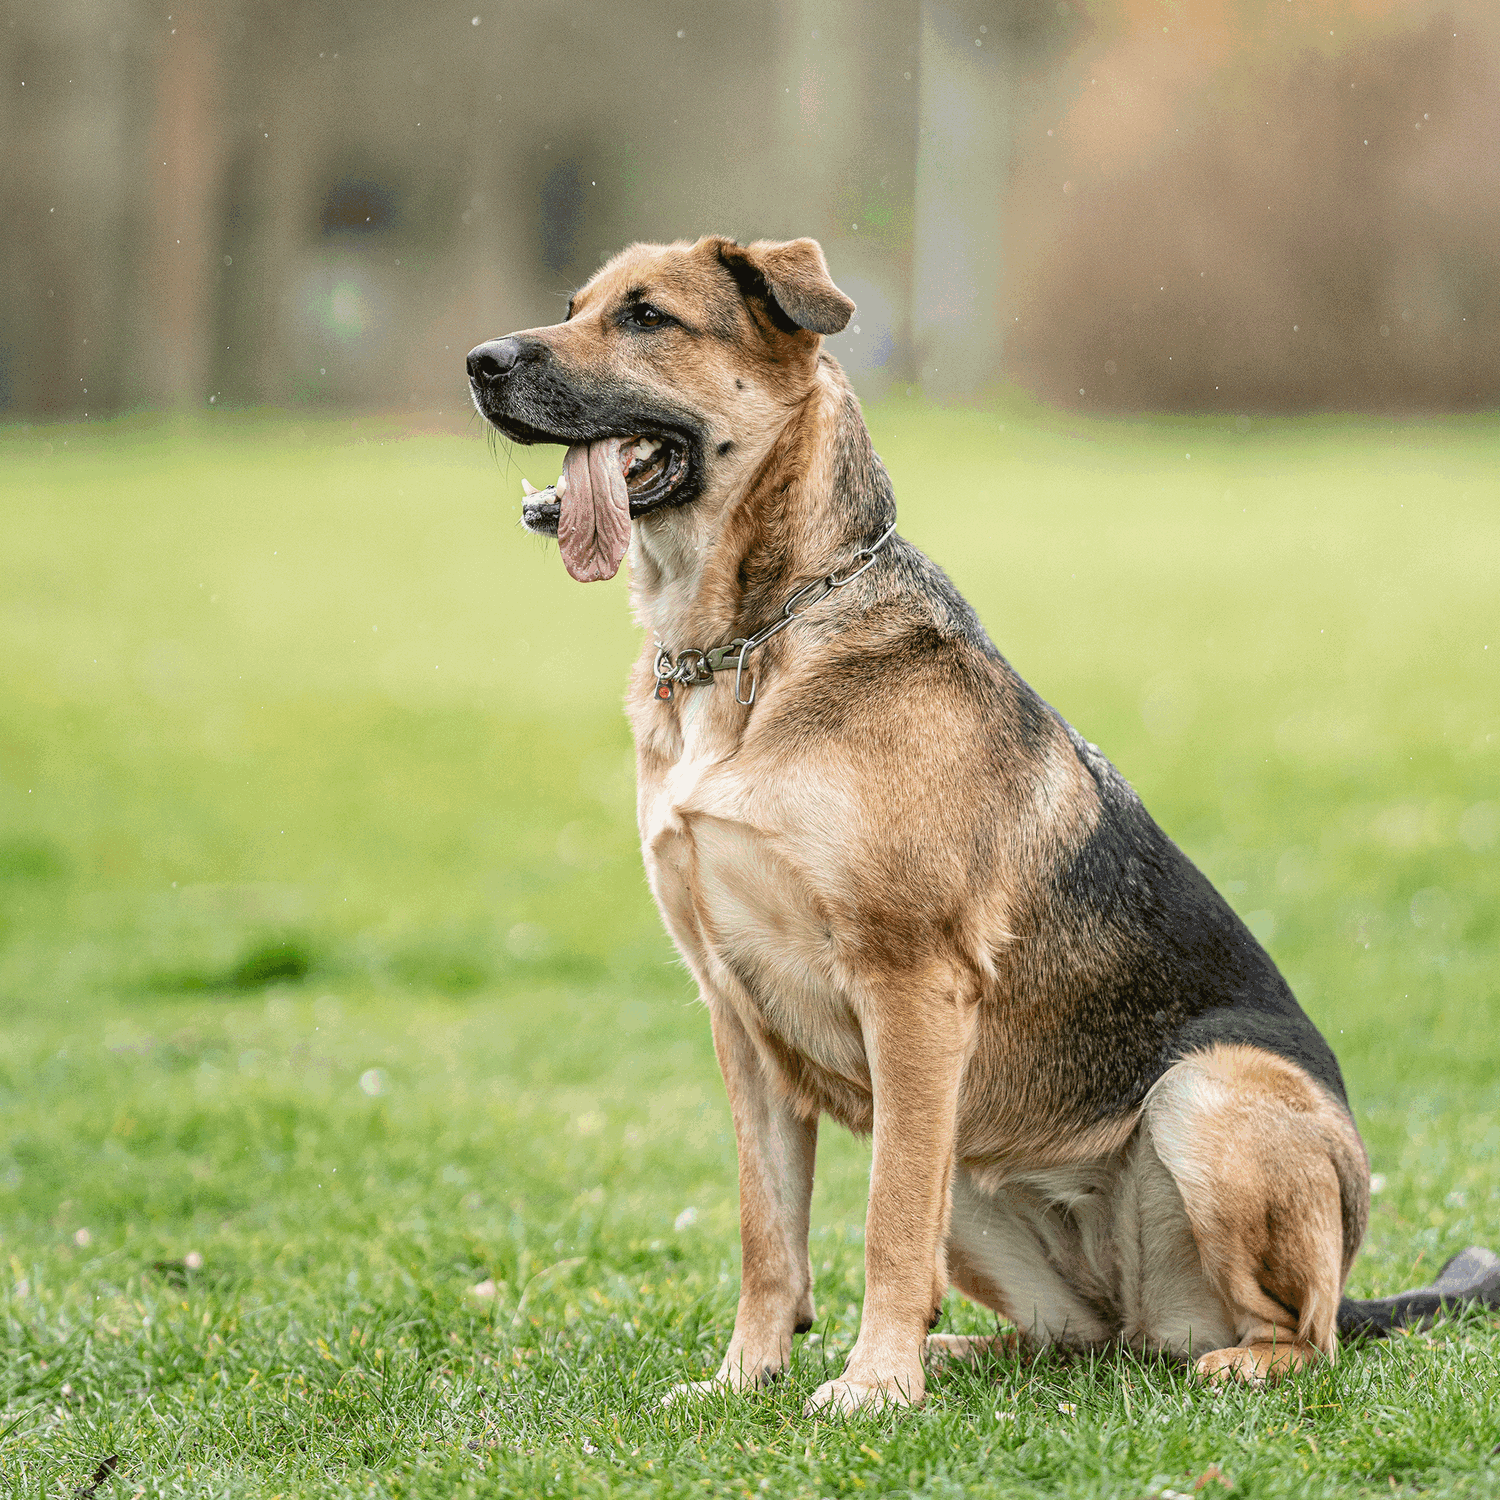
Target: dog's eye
pixel 643 315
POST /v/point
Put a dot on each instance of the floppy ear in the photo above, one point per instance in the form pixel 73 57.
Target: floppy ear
pixel 797 279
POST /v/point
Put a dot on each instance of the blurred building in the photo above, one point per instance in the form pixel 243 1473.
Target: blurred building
pixel 230 202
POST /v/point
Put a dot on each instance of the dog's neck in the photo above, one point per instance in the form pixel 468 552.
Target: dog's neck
pixel 797 507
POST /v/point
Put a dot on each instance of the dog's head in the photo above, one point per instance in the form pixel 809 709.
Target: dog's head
pixel 674 370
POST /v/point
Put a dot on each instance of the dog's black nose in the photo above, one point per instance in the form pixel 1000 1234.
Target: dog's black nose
pixel 488 362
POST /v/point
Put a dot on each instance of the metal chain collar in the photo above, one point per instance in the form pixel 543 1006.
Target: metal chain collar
pixel 693 667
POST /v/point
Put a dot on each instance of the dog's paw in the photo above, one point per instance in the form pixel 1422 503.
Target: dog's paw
pixel 850 1396
pixel 726 1383
pixel 694 1390
pixel 966 1348
pixel 1255 1365
pixel 1225 1365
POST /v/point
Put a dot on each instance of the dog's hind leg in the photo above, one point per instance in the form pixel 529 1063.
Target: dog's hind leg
pixel 1276 1186
pixel 776 1149
pixel 1012 1249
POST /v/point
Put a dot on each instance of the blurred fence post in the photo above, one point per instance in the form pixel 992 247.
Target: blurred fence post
pixel 848 121
pixel 963 162
pixel 182 233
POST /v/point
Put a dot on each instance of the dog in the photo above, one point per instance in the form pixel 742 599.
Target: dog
pixel 913 898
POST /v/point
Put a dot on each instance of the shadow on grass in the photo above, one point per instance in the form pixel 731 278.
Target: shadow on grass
pixel 450 969
pixel 267 961
pixel 459 972
pixel 435 967
pixel 31 860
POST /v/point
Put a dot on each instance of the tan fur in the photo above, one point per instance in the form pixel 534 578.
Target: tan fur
pixel 1260 1363
pixel 968 1348
pixel 1263 1159
pixel 856 938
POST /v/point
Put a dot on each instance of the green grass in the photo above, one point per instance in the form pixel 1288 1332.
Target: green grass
pixel 325 956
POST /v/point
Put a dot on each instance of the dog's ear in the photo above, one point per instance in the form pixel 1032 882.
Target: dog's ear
pixel 793 277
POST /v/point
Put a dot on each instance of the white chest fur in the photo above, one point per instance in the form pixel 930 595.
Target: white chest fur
pixel 745 870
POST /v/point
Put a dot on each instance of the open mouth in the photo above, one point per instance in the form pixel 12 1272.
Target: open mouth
pixel 653 465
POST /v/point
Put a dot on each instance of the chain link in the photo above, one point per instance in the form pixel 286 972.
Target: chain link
pixel 693 666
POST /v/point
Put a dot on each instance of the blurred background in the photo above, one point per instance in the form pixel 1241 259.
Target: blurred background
pixel 1117 204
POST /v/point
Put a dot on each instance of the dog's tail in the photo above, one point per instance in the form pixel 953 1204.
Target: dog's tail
pixel 1470 1277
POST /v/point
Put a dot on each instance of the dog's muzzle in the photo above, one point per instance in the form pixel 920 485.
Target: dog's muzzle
pixel 520 390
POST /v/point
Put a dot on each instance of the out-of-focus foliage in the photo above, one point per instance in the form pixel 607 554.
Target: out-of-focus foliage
pixel 1229 204
pixel 1267 204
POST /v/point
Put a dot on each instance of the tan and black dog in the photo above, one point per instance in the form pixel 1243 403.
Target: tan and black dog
pixel 913 897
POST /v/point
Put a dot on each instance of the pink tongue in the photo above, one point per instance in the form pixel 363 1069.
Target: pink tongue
pixel 593 530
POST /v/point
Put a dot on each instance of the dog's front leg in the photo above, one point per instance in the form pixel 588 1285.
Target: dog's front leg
pixel 917 1045
pixel 776 1150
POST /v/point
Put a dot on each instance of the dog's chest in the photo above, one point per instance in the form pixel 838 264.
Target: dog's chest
pixel 743 890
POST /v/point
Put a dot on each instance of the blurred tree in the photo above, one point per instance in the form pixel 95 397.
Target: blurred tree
pixel 1293 207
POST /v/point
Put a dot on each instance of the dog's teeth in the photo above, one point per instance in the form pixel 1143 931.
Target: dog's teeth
pixel 560 488
pixel 527 487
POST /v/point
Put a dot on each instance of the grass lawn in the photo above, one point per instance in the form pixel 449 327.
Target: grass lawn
pixel 330 987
